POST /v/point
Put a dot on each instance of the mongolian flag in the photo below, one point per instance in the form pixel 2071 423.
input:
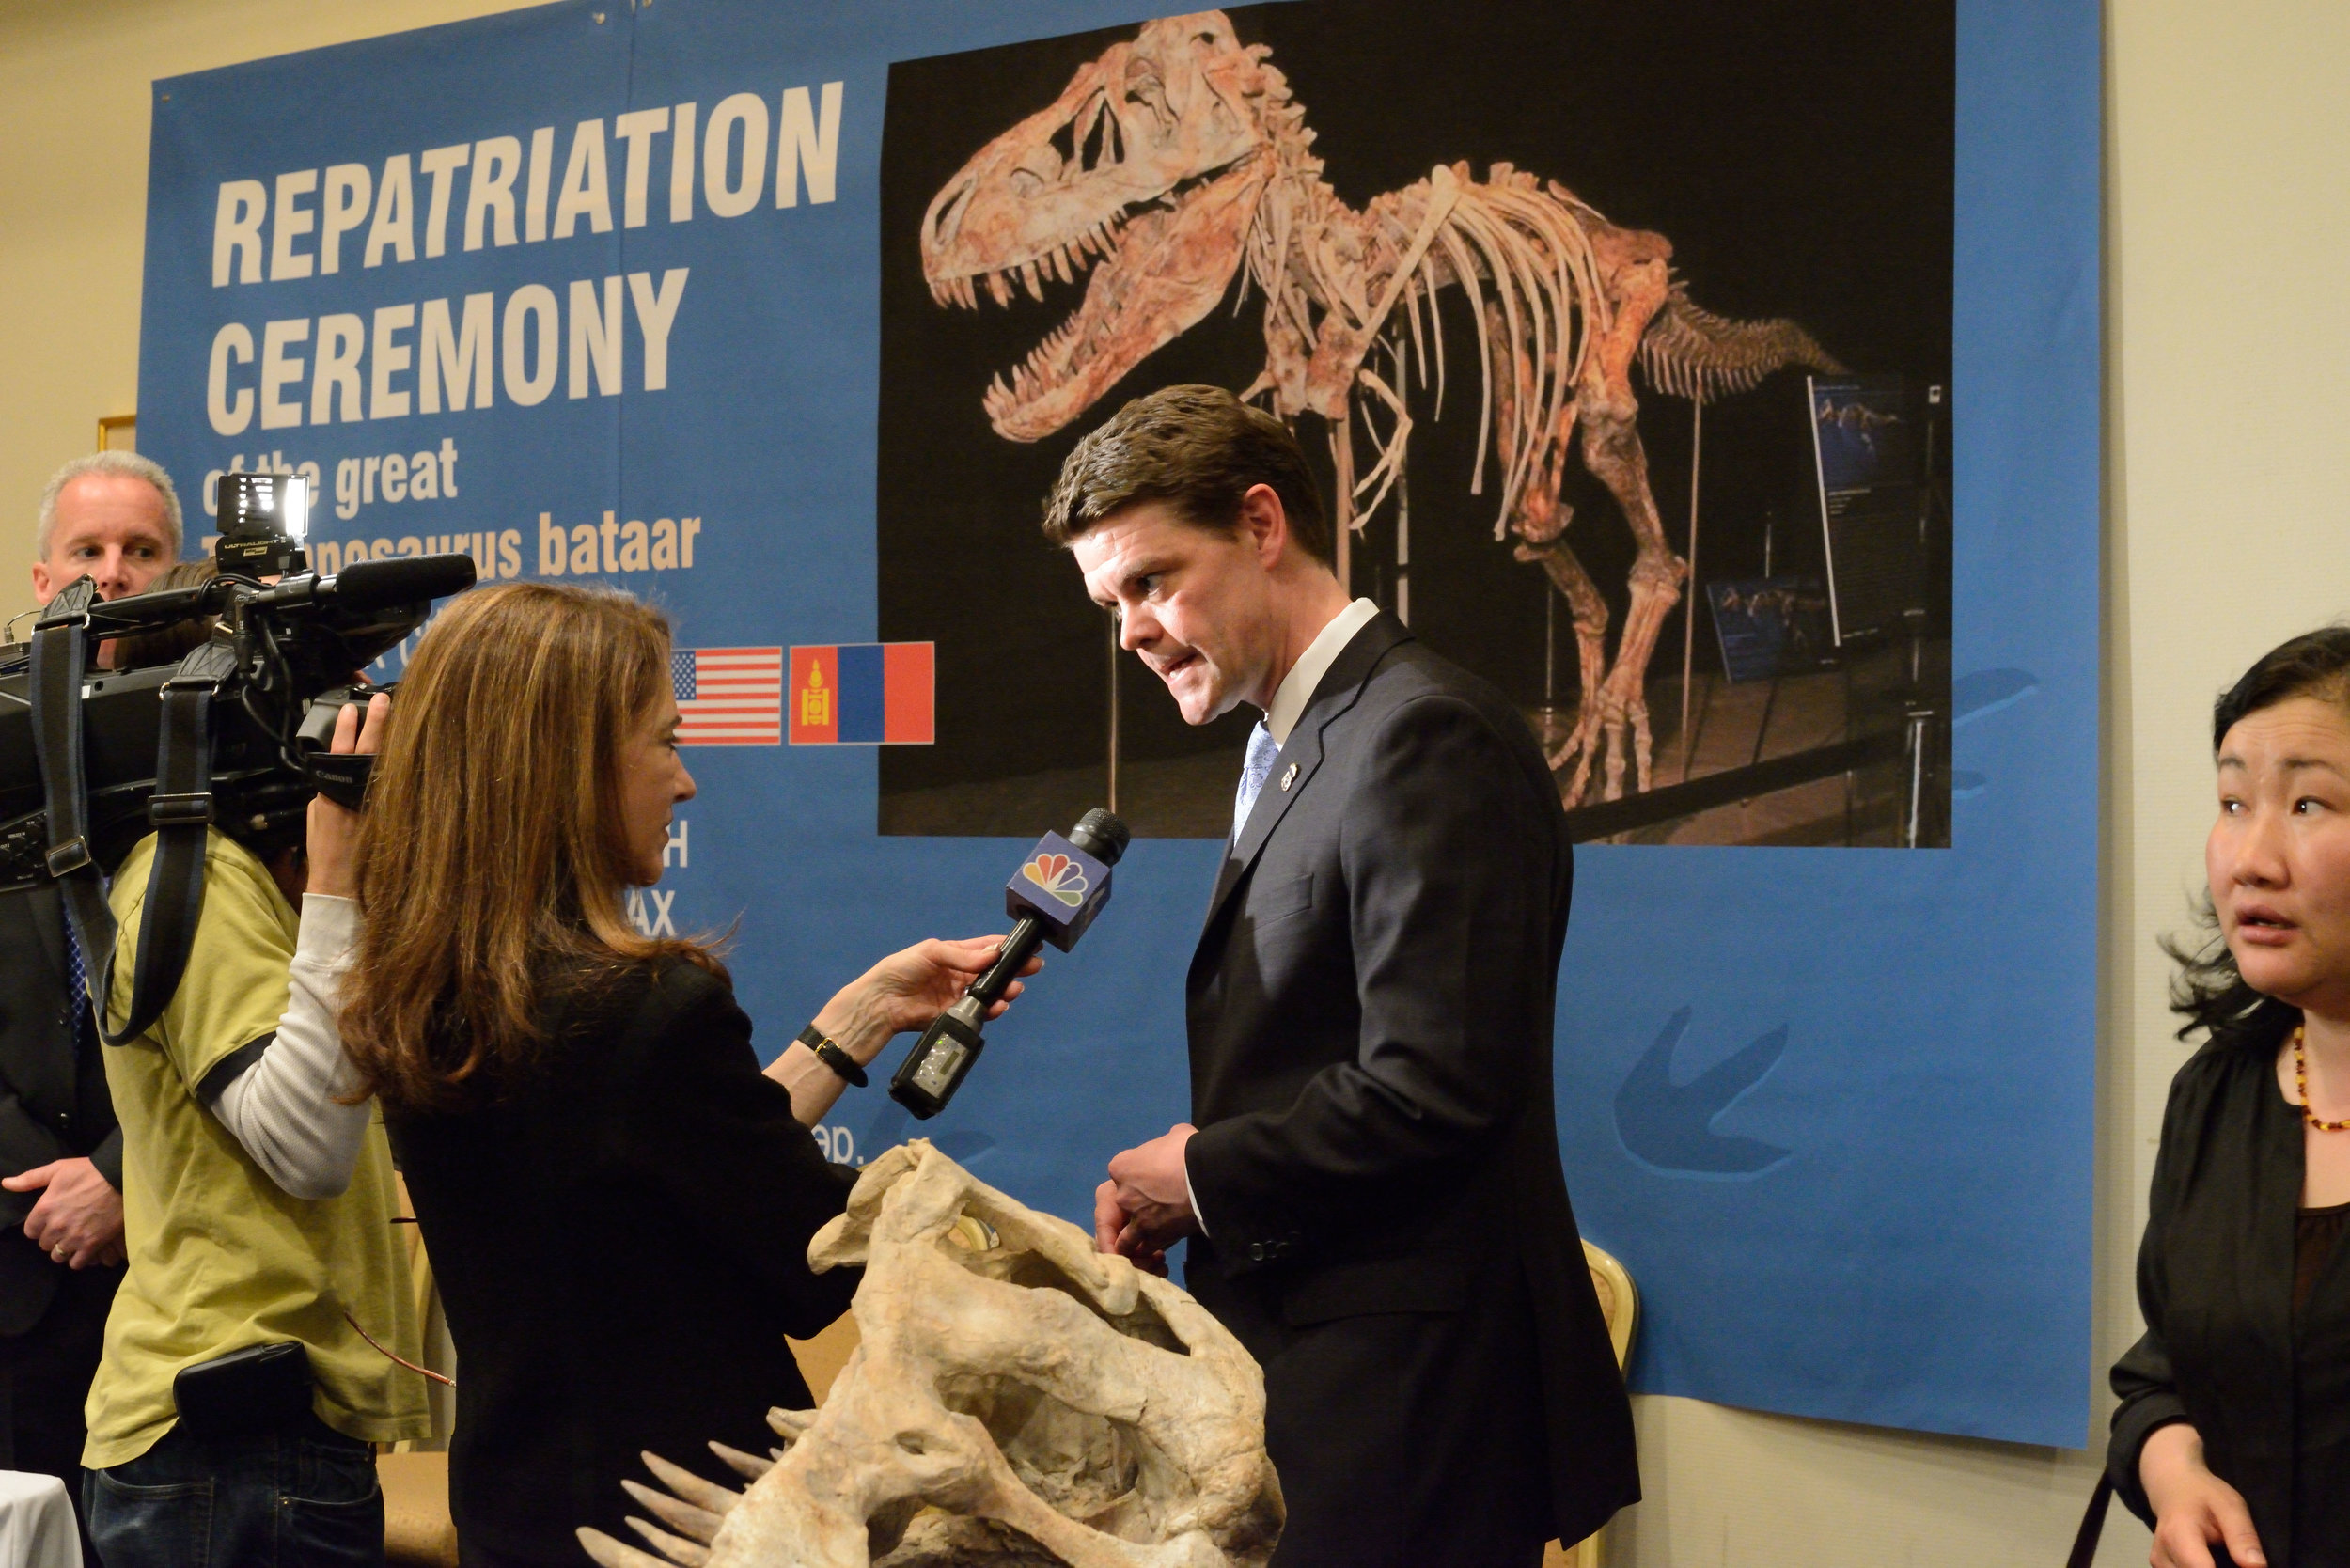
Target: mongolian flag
pixel 861 694
pixel 728 695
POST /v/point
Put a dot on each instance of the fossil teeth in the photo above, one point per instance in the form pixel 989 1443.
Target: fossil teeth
pixel 747 1465
pixel 696 1522
pixel 693 1489
pixel 1029 281
pixel 686 1554
pixel 998 289
pixel 612 1554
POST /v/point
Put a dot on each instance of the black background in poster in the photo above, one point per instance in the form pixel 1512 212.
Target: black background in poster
pixel 1798 158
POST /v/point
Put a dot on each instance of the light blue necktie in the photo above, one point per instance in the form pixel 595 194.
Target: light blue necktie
pixel 1262 749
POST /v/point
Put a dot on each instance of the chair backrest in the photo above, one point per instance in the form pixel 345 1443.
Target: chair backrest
pixel 1620 1304
pixel 1618 1301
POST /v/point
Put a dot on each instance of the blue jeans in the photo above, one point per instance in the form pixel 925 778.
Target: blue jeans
pixel 300 1497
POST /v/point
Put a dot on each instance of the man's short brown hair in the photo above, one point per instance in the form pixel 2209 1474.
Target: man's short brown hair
pixel 1198 448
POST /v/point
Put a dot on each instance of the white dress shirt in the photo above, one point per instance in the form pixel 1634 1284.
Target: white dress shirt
pixel 1289 705
pixel 1298 687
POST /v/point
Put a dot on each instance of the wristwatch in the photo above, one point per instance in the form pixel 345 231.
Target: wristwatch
pixel 832 1056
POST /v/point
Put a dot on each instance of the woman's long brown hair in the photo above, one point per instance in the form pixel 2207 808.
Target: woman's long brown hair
pixel 494 855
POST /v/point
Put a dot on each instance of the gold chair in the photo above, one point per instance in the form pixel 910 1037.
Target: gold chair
pixel 417 1530
pixel 1620 1303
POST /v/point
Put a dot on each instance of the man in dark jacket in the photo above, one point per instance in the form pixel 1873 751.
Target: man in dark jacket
pixel 1373 1193
pixel 112 516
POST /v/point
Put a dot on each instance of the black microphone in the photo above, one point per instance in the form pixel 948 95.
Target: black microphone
pixel 374 584
pixel 1055 895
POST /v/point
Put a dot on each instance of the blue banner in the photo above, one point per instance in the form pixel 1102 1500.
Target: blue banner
pixel 652 295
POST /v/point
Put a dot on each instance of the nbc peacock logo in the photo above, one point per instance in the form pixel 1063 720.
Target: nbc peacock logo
pixel 1059 876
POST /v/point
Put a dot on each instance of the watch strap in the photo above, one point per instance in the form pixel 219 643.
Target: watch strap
pixel 832 1056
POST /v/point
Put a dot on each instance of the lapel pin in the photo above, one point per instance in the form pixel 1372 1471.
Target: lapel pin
pixel 1289 778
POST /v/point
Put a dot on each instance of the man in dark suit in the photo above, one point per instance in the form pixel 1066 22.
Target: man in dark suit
pixel 61 1216
pixel 1373 1193
pixel 113 516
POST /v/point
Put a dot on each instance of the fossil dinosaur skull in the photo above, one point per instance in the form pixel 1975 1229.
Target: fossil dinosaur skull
pixel 1145 172
pixel 1016 1400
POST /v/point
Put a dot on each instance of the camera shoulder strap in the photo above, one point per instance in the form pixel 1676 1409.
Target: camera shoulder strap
pixel 182 812
pixel 61 649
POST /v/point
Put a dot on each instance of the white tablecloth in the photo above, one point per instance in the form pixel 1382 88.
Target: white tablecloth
pixel 37 1523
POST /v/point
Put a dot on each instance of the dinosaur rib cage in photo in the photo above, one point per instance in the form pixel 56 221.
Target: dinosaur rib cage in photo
pixel 1476 351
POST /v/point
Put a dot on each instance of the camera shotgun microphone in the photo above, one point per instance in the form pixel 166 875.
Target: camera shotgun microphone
pixel 1054 896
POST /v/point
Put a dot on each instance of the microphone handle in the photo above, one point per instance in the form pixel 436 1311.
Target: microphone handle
pixel 1019 947
pixel 943 1057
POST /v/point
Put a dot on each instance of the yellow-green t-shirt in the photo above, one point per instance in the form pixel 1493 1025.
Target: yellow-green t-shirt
pixel 220 1256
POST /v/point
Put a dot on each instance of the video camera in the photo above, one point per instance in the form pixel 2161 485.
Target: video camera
pixel 234 735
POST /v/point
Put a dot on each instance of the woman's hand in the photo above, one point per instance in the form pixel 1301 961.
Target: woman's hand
pixel 904 991
pixel 908 989
pixel 2193 1507
pixel 334 831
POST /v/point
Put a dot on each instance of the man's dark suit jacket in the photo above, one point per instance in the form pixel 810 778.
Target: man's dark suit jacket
pixel 621 1247
pixel 54 1103
pixel 1377 1161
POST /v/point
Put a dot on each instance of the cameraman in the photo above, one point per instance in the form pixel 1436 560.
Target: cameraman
pixel 259 1209
pixel 113 516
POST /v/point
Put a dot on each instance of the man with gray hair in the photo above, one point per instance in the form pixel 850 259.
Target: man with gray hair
pixel 115 517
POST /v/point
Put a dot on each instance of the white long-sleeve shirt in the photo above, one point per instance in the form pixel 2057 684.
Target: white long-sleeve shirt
pixel 287 1107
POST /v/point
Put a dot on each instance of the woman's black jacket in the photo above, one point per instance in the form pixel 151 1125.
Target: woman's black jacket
pixel 621 1247
pixel 2269 1396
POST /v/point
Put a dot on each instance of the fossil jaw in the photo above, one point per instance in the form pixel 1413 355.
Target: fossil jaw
pixel 1150 274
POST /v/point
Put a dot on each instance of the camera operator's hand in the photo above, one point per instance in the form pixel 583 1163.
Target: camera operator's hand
pixel 334 833
pixel 78 1221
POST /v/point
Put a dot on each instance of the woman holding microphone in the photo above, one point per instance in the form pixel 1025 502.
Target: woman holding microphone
pixel 617 1200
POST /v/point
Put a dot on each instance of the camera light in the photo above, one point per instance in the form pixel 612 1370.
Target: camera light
pixel 294 511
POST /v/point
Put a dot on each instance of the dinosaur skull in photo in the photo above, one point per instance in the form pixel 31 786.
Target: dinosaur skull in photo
pixel 1152 159
pixel 1016 1399
pixel 1170 161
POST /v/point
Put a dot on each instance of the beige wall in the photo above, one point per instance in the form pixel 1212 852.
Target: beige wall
pixel 2226 472
pixel 74 119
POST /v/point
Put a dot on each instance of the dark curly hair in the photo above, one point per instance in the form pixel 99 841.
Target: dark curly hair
pixel 2208 992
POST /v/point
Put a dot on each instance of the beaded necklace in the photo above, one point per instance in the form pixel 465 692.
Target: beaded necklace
pixel 2301 1084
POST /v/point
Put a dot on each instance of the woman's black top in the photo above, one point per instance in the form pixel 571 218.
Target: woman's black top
pixel 621 1247
pixel 2265 1381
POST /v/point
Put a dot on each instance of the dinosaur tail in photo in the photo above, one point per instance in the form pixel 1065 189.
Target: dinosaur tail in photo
pixel 1691 352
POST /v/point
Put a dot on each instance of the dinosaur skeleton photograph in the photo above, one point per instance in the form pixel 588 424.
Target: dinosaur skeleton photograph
pixel 1477 353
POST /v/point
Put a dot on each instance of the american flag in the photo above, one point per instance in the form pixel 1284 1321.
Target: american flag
pixel 728 695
